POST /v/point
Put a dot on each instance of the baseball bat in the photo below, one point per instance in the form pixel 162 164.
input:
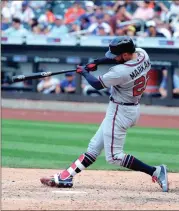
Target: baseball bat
pixel 19 78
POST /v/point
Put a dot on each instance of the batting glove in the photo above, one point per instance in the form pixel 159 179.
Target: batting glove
pixel 80 69
pixel 90 67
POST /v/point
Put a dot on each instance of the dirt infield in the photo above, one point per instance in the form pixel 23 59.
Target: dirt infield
pixel 93 190
pixel 86 117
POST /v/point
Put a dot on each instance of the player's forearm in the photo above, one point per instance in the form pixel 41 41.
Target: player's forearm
pixel 105 60
pixel 92 66
pixel 93 81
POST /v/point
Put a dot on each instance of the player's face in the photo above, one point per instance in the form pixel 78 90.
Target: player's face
pixel 126 56
pixel 123 57
pixel 119 58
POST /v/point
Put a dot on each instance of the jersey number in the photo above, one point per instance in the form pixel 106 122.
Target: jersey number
pixel 140 85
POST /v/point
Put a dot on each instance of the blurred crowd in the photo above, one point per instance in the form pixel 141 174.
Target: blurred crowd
pixel 54 85
pixel 101 18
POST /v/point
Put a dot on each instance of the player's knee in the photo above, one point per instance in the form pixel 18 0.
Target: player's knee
pixel 116 159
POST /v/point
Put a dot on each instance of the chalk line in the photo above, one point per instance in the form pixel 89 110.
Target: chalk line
pixel 68 192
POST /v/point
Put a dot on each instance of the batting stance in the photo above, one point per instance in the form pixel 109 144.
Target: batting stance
pixel 128 80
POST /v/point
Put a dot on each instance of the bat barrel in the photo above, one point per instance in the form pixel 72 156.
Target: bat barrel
pixel 19 78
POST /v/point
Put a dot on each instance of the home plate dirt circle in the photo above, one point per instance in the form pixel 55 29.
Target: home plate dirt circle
pixel 92 190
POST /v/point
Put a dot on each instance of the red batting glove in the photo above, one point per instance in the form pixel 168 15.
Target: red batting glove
pixel 91 67
pixel 80 69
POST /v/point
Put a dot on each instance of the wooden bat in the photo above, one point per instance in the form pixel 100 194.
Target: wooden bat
pixel 19 78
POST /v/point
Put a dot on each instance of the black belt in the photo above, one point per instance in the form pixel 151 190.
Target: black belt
pixel 120 103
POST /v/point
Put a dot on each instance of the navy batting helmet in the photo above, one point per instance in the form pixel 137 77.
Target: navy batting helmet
pixel 120 45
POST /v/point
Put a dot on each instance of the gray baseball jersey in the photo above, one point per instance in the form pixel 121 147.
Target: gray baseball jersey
pixel 128 81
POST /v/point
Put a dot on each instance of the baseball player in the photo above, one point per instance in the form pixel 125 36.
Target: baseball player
pixel 128 80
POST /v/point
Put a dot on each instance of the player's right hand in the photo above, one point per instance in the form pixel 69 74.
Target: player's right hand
pixel 90 67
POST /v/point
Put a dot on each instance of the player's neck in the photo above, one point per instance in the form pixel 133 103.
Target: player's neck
pixel 134 56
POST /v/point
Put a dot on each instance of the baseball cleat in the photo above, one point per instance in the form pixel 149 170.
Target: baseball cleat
pixel 56 181
pixel 160 176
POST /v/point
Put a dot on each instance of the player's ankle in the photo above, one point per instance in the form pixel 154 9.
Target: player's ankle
pixel 134 164
pixel 80 164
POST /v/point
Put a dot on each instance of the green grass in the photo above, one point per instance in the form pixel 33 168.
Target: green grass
pixel 35 144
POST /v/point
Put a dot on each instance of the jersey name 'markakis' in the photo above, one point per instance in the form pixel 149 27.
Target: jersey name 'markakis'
pixel 140 69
